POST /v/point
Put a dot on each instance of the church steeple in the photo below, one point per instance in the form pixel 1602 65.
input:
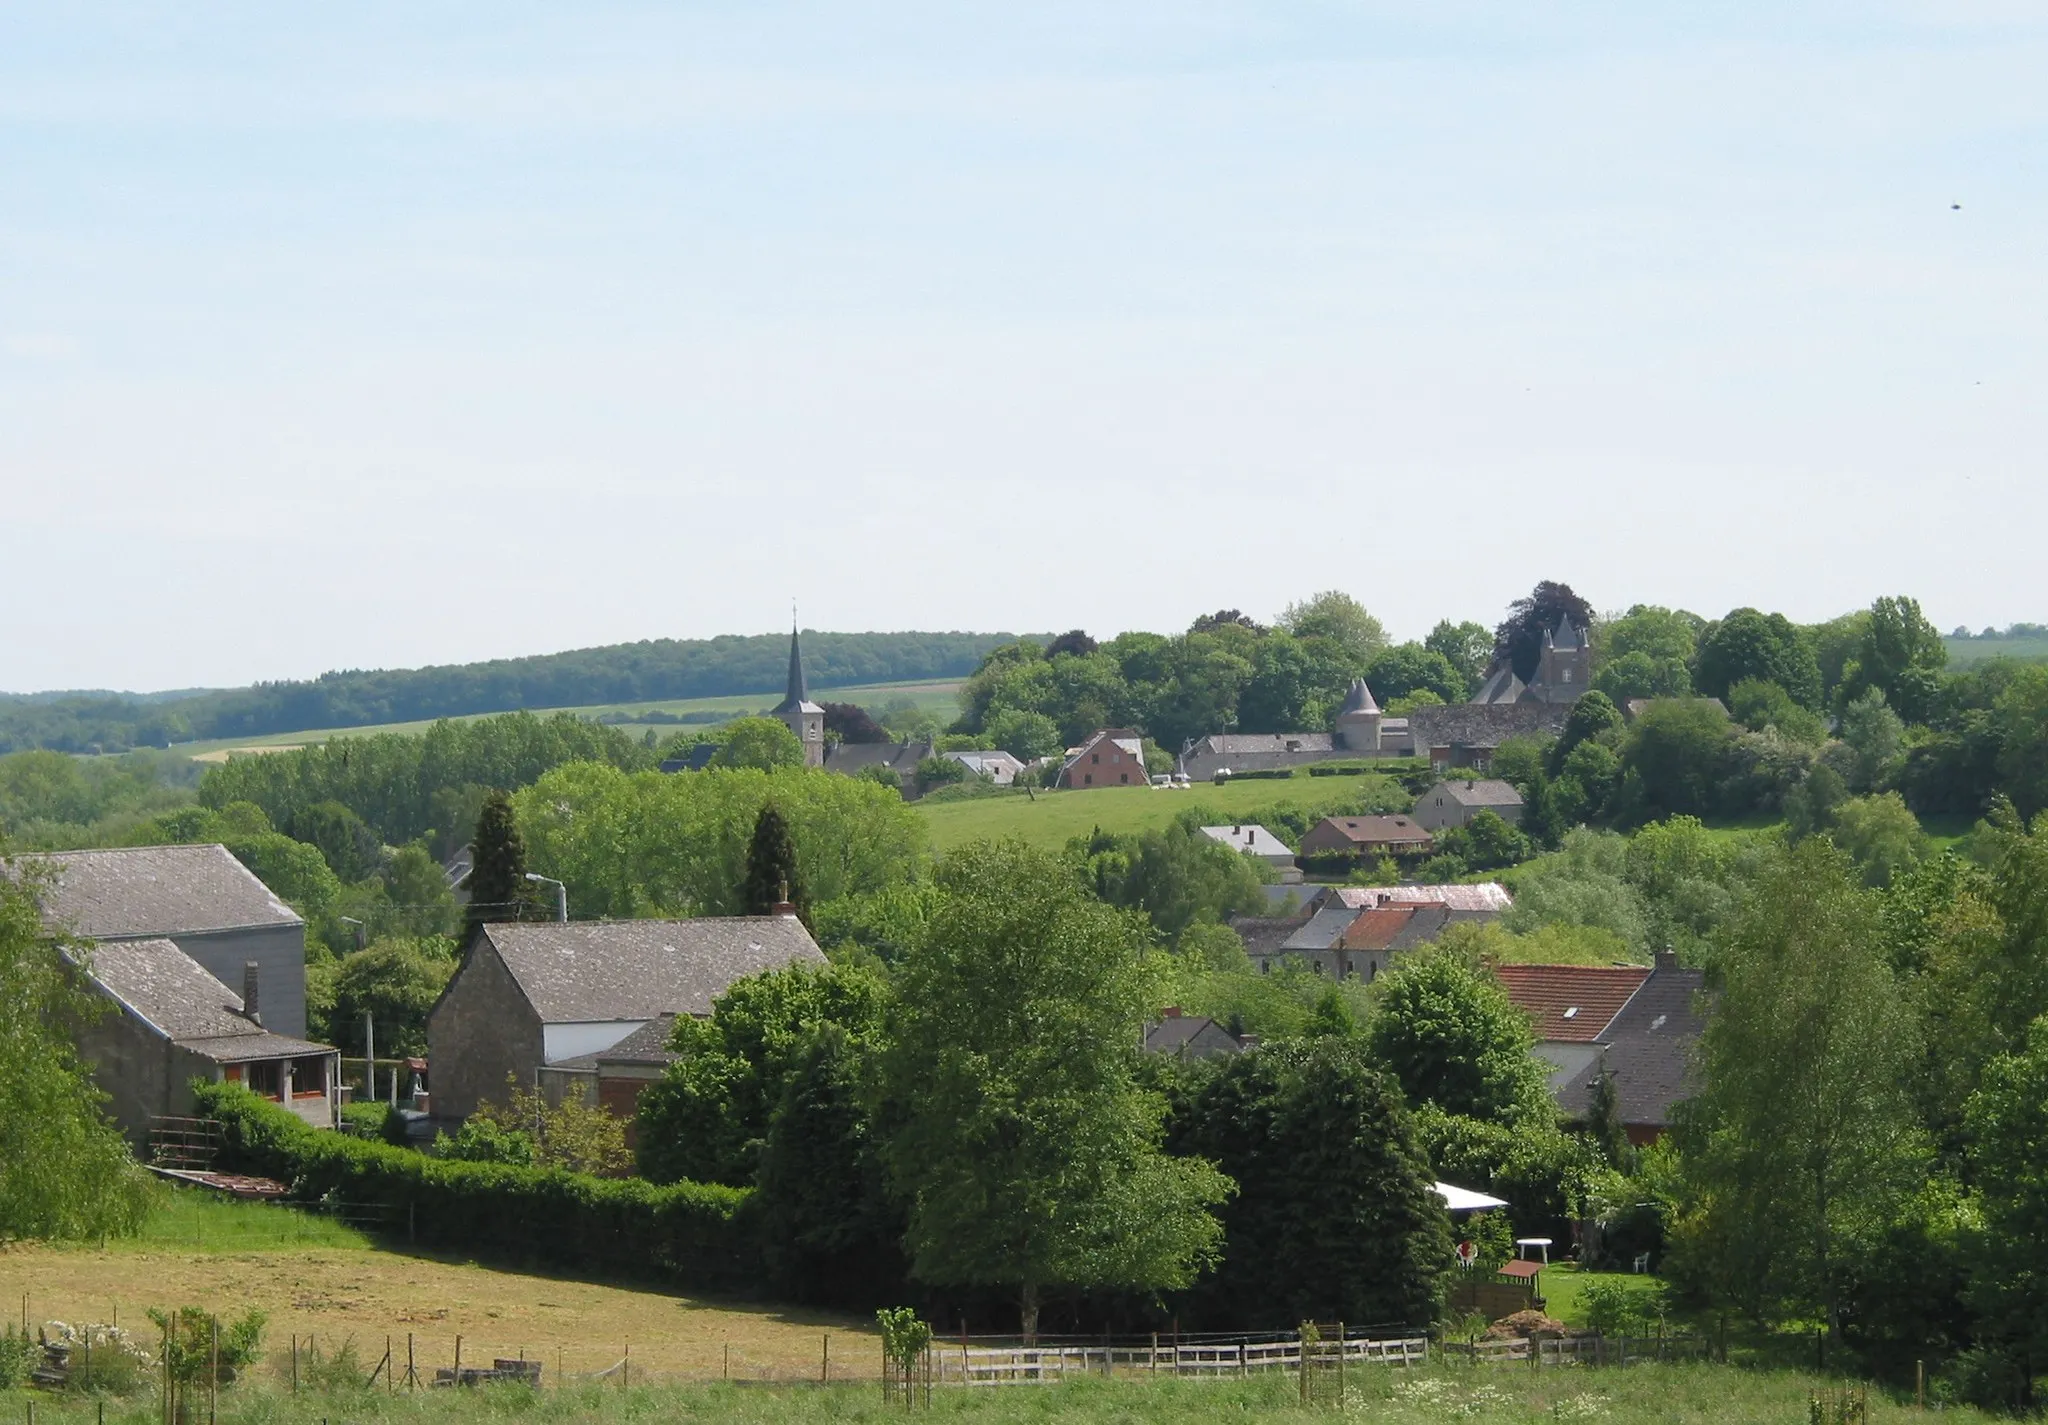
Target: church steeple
pixel 796 710
pixel 798 692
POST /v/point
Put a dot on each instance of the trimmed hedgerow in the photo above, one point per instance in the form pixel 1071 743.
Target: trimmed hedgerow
pixel 694 1234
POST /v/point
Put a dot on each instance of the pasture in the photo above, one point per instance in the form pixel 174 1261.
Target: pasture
pixel 314 1277
pixel 938 696
pixel 1487 1395
pixel 1050 818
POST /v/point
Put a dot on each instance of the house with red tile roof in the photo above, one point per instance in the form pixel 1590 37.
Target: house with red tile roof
pixel 1635 1023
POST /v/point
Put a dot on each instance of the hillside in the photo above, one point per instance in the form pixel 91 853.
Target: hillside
pixel 662 669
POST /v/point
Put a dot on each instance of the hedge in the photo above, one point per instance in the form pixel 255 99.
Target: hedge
pixel 694 1234
pixel 1263 774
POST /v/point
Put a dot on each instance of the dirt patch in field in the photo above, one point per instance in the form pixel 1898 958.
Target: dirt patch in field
pixel 336 1295
pixel 221 754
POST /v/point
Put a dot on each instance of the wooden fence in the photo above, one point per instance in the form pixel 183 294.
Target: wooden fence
pixel 1021 1365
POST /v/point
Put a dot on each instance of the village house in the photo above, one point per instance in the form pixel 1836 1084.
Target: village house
pixel 1637 1024
pixel 1454 803
pixel 198 897
pixel 1366 836
pixel 1257 843
pixel 538 1002
pixel 997 766
pixel 1193 1036
pixel 172 1022
pixel 1112 757
pixel 1357 930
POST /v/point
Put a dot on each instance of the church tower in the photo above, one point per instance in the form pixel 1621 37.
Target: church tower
pixel 802 716
pixel 1567 665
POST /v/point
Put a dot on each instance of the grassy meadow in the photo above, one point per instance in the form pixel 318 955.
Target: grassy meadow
pixel 939 696
pixel 1050 818
pixel 313 1277
pixel 1488 1395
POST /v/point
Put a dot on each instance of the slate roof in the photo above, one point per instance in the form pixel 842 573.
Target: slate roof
pixel 1233 744
pixel 1322 930
pixel 1358 700
pixel 1649 1050
pixel 1195 1036
pixel 604 971
pixel 1487 896
pixel 796 696
pixel 175 995
pixel 1373 830
pixel 1484 724
pixel 1250 839
pixel 850 757
pixel 1266 934
pixel 1572 1004
pixel 129 892
pixel 695 758
pixel 1489 792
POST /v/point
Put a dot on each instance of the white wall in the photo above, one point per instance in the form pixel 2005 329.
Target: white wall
pixel 567 1041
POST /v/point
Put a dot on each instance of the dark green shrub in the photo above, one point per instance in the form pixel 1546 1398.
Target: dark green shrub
pixel 694 1234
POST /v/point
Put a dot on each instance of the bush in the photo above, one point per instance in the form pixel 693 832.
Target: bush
pixel 364 1120
pixel 18 1356
pixel 690 1233
pixel 1615 1308
pixel 1262 774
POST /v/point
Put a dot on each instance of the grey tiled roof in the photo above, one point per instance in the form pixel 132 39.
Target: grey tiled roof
pixel 174 994
pixel 156 890
pixel 1265 934
pixel 1484 724
pixel 1323 930
pixel 1491 792
pixel 1194 1036
pixel 597 971
pixel 903 757
pixel 1234 743
pixel 1649 1047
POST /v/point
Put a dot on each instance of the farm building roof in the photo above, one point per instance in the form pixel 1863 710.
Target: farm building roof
pixel 126 892
pixel 1250 839
pixel 1321 930
pixel 175 995
pixel 1483 724
pixel 1486 896
pixel 1395 927
pixel 604 971
pixel 1375 830
pixel 1572 1003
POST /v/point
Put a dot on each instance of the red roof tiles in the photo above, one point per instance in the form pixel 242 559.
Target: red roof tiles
pixel 1572 1003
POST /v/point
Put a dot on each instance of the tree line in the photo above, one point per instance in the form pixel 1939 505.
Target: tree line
pixel 620 673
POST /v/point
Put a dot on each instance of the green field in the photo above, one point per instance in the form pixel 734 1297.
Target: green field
pixel 937 695
pixel 1964 651
pixel 1694 1394
pixel 1051 818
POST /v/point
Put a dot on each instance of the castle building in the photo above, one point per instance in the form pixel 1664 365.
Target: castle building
pixel 802 716
pixel 1564 671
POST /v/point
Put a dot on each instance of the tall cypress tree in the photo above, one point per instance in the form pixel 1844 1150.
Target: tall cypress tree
pixel 497 877
pixel 771 867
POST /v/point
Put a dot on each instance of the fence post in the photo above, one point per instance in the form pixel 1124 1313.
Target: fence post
pixel 727 1373
pixel 295 1363
pixel 213 1370
pixel 825 1362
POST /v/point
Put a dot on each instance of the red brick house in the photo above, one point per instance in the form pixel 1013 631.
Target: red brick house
pixel 1112 757
pixel 1367 836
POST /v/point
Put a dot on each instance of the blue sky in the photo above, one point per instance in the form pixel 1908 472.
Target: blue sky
pixel 423 333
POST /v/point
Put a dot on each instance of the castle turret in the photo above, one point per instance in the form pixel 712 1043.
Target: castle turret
pixel 802 716
pixel 1358 721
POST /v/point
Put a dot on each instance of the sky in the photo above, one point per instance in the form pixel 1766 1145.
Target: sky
pixel 392 334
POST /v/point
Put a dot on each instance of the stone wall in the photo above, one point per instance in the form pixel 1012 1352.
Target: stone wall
pixel 482 1030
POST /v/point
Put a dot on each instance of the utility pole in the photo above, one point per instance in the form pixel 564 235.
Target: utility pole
pixel 369 1058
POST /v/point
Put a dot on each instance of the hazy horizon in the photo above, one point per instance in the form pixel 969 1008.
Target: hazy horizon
pixel 393 337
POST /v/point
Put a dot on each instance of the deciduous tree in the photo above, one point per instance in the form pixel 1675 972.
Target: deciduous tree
pixel 1026 1147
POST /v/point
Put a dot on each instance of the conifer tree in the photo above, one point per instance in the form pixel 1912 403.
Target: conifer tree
pixel 771 867
pixel 497 877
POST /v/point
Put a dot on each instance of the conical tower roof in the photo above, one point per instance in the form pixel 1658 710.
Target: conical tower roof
pixel 798 694
pixel 1567 635
pixel 1358 700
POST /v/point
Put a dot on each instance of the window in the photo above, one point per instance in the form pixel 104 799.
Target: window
pixel 1095 757
pixel 1088 779
pixel 1265 967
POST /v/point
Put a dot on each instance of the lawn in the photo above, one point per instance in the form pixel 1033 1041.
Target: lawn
pixel 1564 1283
pixel 1049 819
pixel 938 695
pixel 1488 1395
pixel 314 1278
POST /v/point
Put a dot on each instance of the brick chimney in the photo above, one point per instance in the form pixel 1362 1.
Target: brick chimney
pixel 1667 959
pixel 1172 1011
pixel 251 1008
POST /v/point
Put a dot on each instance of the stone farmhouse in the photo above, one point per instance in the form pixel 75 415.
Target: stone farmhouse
pixel 543 1003
pixel 201 899
pixel 1454 803
pixel 173 1022
pixel 1356 931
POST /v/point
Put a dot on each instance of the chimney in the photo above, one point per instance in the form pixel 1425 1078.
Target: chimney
pixel 251 1009
pixel 783 906
pixel 1172 1011
pixel 1667 959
